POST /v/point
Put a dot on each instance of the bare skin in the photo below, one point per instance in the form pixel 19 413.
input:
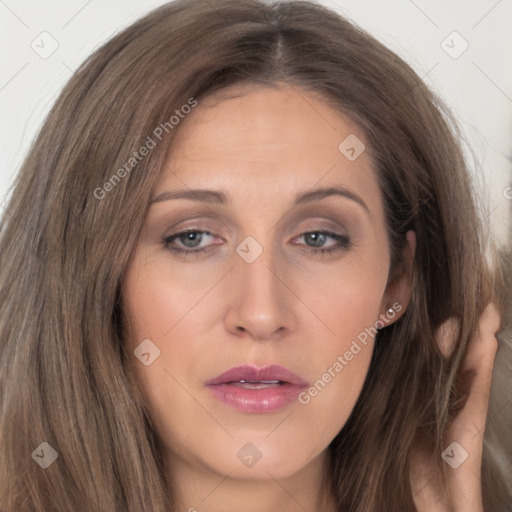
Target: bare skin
pixel 213 310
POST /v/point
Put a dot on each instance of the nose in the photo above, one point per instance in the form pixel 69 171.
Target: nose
pixel 262 302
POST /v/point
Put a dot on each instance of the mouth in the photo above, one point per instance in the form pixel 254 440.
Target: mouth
pixel 257 390
pixel 264 384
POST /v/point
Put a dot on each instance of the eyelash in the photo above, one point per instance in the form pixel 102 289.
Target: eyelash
pixel 344 243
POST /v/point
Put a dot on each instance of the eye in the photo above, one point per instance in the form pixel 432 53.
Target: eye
pixel 315 240
pixel 190 241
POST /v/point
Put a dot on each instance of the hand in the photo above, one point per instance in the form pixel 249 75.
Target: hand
pixel 467 429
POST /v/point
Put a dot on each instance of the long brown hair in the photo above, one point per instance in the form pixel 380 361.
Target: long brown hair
pixel 67 236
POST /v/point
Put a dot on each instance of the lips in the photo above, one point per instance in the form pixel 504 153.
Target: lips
pixel 252 374
pixel 257 390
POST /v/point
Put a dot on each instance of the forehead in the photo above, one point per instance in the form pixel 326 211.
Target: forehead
pixel 280 138
pixel 244 119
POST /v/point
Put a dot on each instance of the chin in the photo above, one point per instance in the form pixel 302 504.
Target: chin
pixel 261 459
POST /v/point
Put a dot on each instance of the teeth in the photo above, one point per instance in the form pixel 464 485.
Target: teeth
pixel 263 384
pixel 260 381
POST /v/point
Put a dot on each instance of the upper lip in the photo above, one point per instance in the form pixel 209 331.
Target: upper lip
pixel 254 374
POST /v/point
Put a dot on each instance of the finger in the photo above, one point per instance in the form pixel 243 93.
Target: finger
pixel 475 376
pixel 479 361
pixel 483 346
pixel 447 333
pixel 446 336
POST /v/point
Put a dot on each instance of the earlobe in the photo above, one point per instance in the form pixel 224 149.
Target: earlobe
pixel 399 290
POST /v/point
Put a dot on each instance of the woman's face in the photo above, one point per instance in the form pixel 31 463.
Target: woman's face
pixel 249 288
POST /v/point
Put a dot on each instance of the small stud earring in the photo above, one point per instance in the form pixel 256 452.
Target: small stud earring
pixel 390 311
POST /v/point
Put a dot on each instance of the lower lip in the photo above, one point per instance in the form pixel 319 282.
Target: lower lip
pixel 265 400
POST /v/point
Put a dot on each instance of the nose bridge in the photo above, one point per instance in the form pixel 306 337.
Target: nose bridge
pixel 258 270
pixel 261 304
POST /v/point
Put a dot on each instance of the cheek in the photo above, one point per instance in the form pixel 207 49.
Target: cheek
pixel 341 362
pixel 348 298
pixel 157 298
pixel 349 307
pixel 166 308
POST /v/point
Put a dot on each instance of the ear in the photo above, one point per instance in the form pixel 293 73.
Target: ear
pixel 399 289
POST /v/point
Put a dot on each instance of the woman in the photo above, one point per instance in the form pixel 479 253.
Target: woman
pixel 242 269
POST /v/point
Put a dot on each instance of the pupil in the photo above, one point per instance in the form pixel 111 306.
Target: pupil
pixel 318 238
pixel 195 238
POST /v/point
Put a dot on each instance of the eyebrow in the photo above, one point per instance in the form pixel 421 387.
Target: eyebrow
pixel 219 197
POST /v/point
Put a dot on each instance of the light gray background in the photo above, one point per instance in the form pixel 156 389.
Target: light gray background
pixel 477 85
